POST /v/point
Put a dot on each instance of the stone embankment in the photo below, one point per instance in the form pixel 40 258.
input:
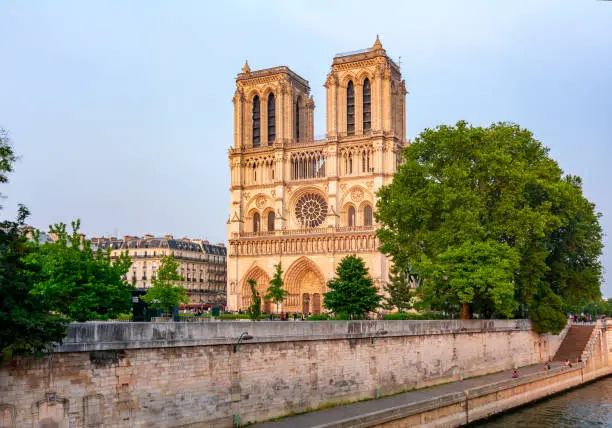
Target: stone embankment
pixel 459 403
pixel 192 374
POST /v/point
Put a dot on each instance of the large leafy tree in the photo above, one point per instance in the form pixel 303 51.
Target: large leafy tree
pixel 462 189
pixel 77 281
pixel 352 292
pixel 164 293
pixel 276 293
pixel 27 324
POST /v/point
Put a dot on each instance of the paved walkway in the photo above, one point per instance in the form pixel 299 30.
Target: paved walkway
pixel 322 417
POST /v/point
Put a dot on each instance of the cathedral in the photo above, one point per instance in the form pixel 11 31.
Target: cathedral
pixel 307 202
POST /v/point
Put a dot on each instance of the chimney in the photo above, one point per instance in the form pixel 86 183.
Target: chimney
pixel 168 236
pixel 220 244
pixel 147 236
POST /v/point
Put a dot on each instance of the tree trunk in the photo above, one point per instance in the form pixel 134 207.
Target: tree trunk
pixel 466 311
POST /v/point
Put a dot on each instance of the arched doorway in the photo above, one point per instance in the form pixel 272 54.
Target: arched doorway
pixel 305 284
pixel 263 281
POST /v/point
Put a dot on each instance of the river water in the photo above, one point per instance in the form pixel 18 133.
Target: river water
pixel 588 406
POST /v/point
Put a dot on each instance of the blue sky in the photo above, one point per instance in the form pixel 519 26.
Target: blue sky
pixel 122 115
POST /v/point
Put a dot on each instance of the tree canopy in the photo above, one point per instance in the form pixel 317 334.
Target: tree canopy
pixel 352 292
pixel 164 293
pixel 490 211
pixel 77 281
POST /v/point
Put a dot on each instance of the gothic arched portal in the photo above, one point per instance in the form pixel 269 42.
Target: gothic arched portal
pixel 306 285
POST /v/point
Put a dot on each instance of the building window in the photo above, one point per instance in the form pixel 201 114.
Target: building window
pixel 256 222
pixel 297 119
pixel 351 216
pixel 271 119
pixel 367 105
pixel 271 221
pixel 350 109
pixel 367 215
pixel 256 121
pixel 307 165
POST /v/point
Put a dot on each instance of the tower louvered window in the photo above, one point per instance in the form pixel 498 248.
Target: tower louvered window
pixel 256 121
pixel 297 119
pixel 350 109
pixel 367 105
pixel 271 119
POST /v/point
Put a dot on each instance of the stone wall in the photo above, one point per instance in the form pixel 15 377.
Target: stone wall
pixel 186 374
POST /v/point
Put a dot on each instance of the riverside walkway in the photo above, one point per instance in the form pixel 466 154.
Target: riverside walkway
pixel 353 414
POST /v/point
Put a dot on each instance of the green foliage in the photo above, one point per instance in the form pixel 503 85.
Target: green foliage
pixel 318 317
pixel 78 282
pixel 275 291
pixel 400 290
pixel 164 293
pixel 547 312
pixel 352 292
pixel 254 311
pixel 411 316
pixel 27 323
pixel 242 317
pixel 477 273
pixel 124 317
pixel 461 187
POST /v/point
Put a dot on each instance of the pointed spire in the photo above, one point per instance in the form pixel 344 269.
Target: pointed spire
pixel 377 44
pixel 246 69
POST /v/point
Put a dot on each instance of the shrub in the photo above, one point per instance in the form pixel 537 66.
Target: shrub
pixel 412 316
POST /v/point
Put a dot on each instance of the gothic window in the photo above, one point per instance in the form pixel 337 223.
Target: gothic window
pixel 350 109
pixel 311 210
pixel 297 120
pixel 271 221
pixel 256 222
pixel 367 105
pixel 367 215
pixel 256 121
pixel 351 216
pixel 307 165
pixel 271 119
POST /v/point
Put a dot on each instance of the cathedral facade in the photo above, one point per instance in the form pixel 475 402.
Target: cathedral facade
pixel 307 202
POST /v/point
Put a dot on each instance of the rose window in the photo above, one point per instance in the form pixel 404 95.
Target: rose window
pixel 311 210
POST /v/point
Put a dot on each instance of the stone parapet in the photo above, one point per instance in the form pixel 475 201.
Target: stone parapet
pixel 100 336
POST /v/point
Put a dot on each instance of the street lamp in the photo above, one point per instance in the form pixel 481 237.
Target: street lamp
pixel 243 337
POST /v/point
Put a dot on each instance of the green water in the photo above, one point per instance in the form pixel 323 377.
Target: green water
pixel 588 406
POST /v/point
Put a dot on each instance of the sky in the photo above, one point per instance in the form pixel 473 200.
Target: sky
pixel 121 112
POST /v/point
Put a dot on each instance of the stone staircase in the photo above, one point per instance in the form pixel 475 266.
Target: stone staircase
pixel 574 343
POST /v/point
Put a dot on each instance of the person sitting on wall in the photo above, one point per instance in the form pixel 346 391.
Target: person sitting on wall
pixel 515 374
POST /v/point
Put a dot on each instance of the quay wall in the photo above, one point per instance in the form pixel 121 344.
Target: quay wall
pixel 187 374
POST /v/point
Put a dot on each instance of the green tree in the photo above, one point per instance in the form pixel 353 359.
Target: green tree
pixel 275 291
pixel 27 324
pixel 400 291
pixel 254 311
pixel 461 185
pixel 77 281
pixel 475 274
pixel 352 292
pixel 164 293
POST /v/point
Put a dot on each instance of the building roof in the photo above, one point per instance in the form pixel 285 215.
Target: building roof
pixel 184 244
